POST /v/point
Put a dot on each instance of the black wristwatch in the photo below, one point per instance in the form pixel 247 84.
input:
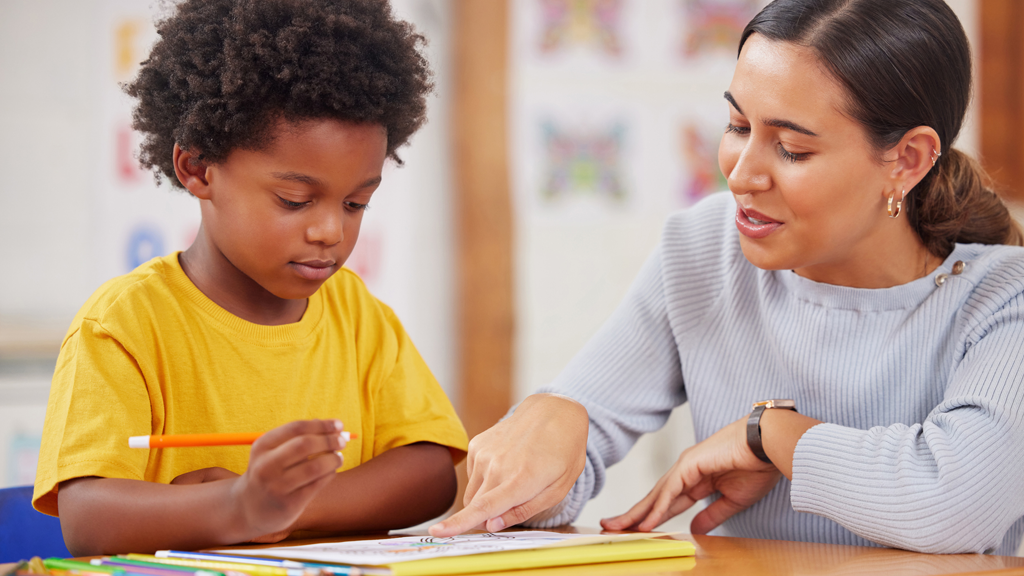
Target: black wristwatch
pixel 754 424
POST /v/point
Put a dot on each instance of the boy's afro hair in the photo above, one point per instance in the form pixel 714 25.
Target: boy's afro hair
pixel 224 70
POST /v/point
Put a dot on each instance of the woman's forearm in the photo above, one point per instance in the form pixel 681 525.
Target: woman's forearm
pixel 402 487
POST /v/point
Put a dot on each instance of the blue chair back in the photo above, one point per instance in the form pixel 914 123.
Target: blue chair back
pixel 25 533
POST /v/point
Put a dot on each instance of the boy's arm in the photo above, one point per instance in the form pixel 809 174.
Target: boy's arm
pixel 402 487
pixel 287 467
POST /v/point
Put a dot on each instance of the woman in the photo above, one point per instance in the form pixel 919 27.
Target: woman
pixel 858 269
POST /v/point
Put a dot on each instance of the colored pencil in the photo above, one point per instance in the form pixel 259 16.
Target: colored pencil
pixel 338 569
pixel 223 566
pixel 189 440
pixel 154 569
pixel 87 569
pixel 229 558
pixel 61 564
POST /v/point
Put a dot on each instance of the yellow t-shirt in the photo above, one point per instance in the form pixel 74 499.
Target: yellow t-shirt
pixel 151 354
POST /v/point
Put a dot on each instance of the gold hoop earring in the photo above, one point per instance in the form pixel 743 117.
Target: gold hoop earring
pixel 899 203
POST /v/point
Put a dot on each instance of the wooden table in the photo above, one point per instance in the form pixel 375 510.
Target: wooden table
pixel 718 556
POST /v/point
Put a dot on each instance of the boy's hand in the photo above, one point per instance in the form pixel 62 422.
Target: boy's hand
pixel 287 467
pixel 215 473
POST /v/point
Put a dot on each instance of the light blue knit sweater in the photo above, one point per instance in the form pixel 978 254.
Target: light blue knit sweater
pixel 921 388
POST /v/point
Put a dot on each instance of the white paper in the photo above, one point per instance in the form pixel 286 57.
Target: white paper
pixel 404 549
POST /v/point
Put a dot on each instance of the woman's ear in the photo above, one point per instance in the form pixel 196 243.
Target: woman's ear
pixel 915 155
pixel 191 172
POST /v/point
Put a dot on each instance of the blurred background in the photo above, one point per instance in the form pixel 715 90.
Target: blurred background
pixel 561 135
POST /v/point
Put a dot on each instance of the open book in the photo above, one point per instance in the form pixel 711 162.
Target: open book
pixel 425 555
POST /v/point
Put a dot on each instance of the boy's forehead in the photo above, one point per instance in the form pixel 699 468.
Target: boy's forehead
pixel 279 125
pixel 280 132
pixel 317 152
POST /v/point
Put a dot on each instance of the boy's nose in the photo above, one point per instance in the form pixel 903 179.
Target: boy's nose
pixel 328 230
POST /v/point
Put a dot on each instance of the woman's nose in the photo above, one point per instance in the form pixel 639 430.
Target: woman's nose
pixel 749 173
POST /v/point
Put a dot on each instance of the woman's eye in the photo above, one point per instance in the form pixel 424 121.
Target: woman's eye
pixel 790 156
pixel 733 129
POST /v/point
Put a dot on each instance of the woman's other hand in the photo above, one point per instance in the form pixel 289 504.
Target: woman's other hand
pixel 522 465
pixel 723 463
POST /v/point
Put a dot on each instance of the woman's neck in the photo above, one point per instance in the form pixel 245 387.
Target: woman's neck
pixel 894 257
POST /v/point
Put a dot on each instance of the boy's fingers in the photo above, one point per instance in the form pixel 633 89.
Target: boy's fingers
pixel 309 490
pixel 284 433
pixel 310 472
pixel 297 450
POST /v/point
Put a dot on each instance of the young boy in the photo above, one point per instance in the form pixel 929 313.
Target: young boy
pixel 277 115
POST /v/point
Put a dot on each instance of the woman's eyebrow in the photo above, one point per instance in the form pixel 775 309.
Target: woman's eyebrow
pixel 786 124
pixel 773 122
pixel 728 96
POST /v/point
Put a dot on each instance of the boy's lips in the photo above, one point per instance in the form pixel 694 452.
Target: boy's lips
pixel 315 269
pixel 753 224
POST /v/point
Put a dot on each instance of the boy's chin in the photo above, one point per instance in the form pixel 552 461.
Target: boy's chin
pixel 300 292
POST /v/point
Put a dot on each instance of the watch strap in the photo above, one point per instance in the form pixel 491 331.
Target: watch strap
pixel 754 425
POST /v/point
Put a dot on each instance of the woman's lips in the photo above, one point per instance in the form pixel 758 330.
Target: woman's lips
pixel 314 269
pixel 754 224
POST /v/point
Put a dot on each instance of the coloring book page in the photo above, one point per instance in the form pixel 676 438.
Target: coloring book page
pixel 404 549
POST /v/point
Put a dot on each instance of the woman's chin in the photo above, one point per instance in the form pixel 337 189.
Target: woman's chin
pixel 766 259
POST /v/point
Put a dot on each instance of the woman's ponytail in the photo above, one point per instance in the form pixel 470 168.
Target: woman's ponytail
pixel 955 203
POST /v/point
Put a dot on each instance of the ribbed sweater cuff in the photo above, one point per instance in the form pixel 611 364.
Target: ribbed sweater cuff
pixel 820 453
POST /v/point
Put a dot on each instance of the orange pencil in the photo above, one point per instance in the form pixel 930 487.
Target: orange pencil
pixel 186 440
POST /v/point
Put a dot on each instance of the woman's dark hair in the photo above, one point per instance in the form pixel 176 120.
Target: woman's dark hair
pixel 223 71
pixel 904 64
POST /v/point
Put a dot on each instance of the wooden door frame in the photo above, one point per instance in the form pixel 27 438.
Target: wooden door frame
pixel 1001 91
pixel 485 306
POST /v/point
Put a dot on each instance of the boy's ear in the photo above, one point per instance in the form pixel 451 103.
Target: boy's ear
pixel 191 172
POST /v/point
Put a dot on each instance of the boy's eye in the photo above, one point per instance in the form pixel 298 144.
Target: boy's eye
pixel 733 129
pixel 357 206
pixel 290 204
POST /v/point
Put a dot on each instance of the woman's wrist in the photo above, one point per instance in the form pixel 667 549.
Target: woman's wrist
pixel 780 432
